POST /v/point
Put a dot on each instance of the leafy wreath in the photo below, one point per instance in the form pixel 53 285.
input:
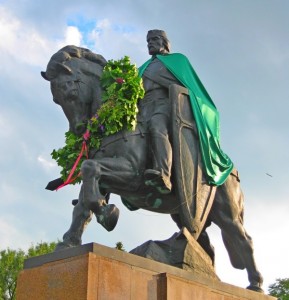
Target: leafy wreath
pixel 122 89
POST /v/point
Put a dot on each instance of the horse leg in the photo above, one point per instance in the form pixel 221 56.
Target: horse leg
pixel 227 213
pixel 81 216
pixel 205 243
pixel 106 214
pixel 90 201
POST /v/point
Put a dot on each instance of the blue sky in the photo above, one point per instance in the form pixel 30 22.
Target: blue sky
pixel 240 50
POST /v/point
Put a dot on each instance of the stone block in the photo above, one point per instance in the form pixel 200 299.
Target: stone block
pixel 93 271
pixel 182 251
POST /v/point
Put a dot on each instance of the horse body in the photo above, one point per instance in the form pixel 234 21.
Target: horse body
pixel 118 165
pixel 122 160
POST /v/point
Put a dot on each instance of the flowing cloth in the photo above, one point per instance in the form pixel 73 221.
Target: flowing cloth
pixel 217 164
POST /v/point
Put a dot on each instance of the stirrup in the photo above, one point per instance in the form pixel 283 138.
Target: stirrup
pixel 151 174
pixel 155 179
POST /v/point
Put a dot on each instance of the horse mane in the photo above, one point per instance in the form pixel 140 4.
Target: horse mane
pixel 79 62
pixel 63 61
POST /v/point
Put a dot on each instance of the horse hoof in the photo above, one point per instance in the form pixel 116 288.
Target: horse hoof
pixel 108 217
pixel 255 288
pixel 62 246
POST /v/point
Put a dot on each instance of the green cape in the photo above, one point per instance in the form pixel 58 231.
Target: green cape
pixel 217 164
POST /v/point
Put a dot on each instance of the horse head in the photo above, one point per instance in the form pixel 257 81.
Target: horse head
pixel 74 75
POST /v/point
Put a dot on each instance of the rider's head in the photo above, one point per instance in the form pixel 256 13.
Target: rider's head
pixel 158 42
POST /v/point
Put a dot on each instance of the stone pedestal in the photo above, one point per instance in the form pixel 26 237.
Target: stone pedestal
pixel 97 272
pixel 182 251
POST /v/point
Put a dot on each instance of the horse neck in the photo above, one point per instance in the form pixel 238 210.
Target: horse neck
pixel 96 100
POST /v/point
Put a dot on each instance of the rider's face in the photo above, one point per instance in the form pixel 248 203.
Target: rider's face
pixel 155 44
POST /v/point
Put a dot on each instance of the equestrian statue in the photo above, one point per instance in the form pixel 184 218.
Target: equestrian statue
pixel 170 163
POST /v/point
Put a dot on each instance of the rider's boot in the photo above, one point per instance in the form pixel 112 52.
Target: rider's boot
pixel 156 179
pixel 159 176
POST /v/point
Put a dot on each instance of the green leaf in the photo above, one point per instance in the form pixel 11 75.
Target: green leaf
pixel 118 111
pixel 11 263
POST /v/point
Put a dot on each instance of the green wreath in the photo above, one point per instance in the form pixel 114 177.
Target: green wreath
pixel 122 88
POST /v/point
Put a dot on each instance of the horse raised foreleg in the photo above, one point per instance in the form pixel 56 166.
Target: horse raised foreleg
pixel 90 201
pixel 227 213
pixel 106 214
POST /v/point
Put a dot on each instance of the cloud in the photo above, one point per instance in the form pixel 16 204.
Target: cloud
pixel 45 163
pixel 115 40
pixel 10 236
pixel 25 44
pixel 14 237
pixel 72 36
pixel 21 42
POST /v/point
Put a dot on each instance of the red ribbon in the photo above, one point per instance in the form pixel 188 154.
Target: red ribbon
pixel 83 150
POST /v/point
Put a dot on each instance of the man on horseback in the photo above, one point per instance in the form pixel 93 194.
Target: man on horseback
pixel 155 111
pixel 186 116
pixel 158 73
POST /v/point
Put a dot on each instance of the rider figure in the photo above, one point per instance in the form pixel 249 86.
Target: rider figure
pixel 155 111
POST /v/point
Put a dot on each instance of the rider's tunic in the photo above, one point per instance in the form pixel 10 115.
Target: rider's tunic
pixel 155 112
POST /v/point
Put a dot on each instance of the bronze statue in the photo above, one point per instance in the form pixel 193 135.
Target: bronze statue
pixel 155 112
pixel 127 163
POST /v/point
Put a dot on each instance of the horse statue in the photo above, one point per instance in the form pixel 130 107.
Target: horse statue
pixel 118 166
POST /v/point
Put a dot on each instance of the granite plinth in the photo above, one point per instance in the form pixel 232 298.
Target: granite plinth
pixel 97 272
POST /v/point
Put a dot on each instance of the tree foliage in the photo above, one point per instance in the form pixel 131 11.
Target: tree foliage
pixel 11 263
pixel 280 289
pixel 119 246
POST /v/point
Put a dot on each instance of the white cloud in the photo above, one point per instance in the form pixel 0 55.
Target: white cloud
pixel 8 24
pixel 14 237
pixel 104 24
pixel 45 163
pixel 100 33
pixel 114 41
pixel 11 236
pixel 26 44
pixel 72 36
pixel 19 41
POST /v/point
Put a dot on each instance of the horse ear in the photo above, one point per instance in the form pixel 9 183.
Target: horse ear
pixel 43 74
pixel 63 68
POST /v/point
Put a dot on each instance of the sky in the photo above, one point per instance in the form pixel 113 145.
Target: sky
pixel 239 49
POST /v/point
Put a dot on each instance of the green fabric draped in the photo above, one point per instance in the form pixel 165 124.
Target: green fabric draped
pixel 217 164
